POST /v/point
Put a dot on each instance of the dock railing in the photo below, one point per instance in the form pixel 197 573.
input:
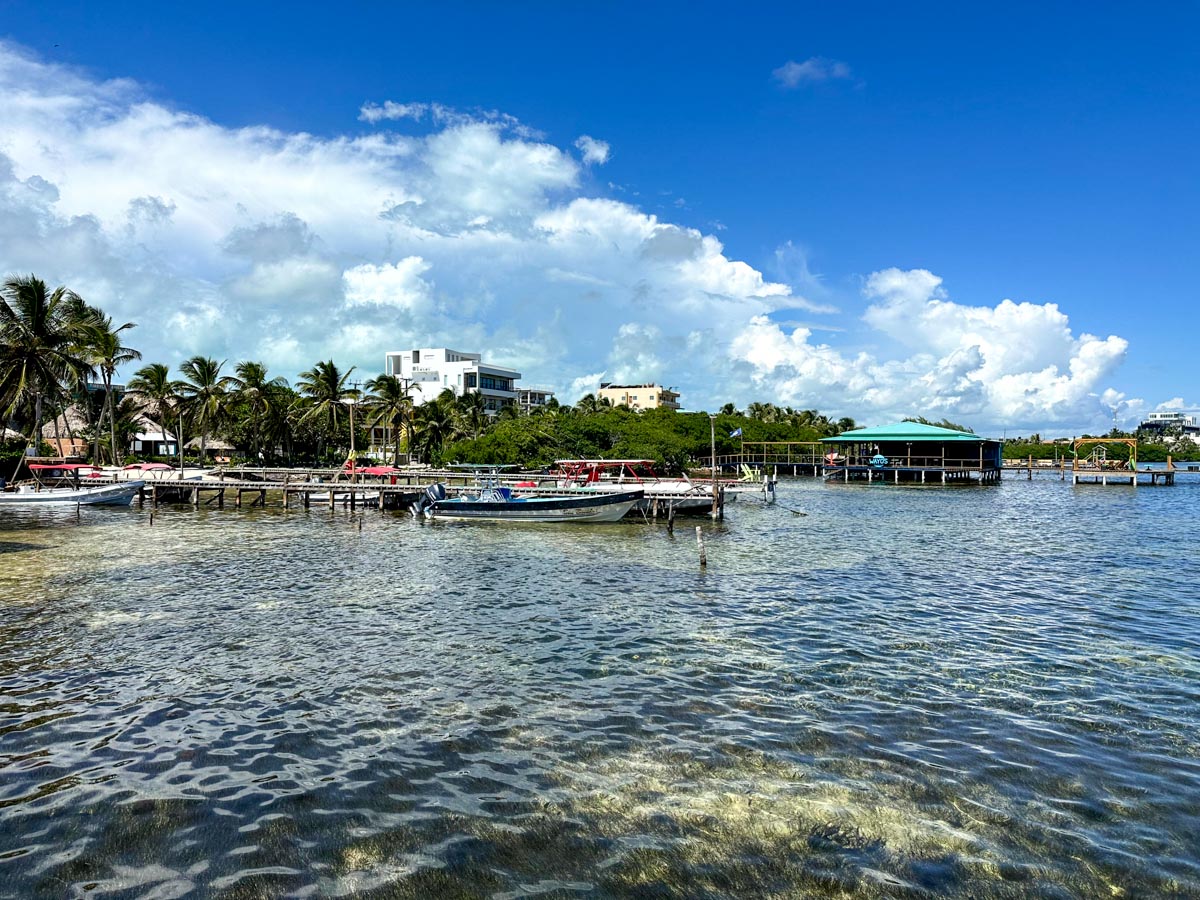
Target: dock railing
pixel 781 453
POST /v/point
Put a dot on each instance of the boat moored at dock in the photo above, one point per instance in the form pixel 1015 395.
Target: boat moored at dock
pixel 618 475
pixel 497 503
pixel 64 485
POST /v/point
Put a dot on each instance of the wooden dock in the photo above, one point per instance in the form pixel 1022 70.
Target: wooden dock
pixel 333 489
pixel 285 493
pixel 1102 471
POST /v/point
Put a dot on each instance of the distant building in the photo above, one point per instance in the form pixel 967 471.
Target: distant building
pixel 638 396
pixel 433 370
pixel 152 440
pixel 1176 423
pixel 529 399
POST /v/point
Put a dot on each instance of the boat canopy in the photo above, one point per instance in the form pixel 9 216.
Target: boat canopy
pixel 67 467
pixel 604 463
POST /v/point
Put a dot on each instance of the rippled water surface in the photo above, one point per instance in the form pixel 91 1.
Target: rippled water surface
pixel 984 692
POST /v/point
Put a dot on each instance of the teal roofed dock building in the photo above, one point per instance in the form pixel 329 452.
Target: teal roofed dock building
pixel 912 452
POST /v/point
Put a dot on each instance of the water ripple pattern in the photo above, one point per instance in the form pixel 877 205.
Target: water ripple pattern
pixel 925 692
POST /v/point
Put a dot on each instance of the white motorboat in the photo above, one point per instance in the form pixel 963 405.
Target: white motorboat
pixel 63 485
pixel 498 504
pixel 617 475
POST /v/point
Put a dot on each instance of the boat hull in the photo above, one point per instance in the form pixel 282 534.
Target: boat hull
pixel 593 508
pixel 100 495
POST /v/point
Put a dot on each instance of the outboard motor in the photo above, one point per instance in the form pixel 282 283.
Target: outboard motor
pixel 432 495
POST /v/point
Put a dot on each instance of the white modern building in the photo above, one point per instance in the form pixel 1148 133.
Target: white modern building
pixel 529 399
pixel 429 371
pixel 1169 421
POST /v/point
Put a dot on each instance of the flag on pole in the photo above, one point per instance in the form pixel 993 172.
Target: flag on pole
pixel 737 432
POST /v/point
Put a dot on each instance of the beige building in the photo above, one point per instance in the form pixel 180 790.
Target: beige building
pixel 638 396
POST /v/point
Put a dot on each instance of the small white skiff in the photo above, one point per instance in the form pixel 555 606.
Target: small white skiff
pixel 62 486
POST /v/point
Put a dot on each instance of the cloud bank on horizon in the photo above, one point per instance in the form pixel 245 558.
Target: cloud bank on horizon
pixel 254 243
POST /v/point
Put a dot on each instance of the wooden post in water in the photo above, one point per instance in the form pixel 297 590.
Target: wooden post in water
pixel 712 431
pixel 700 544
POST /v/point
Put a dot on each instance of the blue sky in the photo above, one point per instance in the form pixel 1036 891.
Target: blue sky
pixel 818 205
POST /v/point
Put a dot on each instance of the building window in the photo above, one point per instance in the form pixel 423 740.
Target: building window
pixel 416 356
pixel 471 380
pixel 491 383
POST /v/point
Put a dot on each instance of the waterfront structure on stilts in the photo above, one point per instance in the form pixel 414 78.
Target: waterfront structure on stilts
pixel 912 453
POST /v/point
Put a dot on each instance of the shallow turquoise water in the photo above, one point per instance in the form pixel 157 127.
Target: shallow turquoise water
pixel 985 692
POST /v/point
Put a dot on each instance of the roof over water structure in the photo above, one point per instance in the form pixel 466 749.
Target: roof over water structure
pixel 912 452
pixel 903 431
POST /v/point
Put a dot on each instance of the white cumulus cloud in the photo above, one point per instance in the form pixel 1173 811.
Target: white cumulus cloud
pixel 1012 365
pixel 593 151
pixel 257 243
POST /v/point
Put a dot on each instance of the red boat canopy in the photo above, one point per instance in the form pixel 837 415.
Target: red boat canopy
pixel 150 467
pixel 377 470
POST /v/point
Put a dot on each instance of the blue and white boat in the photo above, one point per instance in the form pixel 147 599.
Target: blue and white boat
pixel 495 503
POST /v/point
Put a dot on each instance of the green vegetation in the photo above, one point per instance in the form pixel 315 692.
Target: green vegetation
pixel 594 429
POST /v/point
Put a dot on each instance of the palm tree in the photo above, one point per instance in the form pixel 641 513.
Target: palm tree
pixel 261 397
pixel 434 426
pixel 325 386
pixel 764 412
pixel 126 422
pixel 590 403
pixel 390 403
pixel 470 412
pixel 204 391
pixel 107 354
pixel 39 345
pixel 154 385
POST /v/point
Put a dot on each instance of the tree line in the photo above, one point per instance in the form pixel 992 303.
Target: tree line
pixel 60 355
